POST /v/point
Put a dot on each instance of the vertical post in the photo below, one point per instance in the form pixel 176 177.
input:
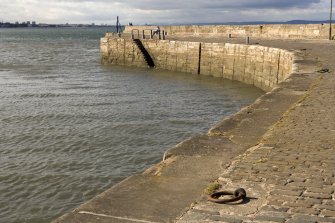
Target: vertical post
pixel 163 35
pixel 247 40
pixel 143 35
pixel 199 61
pixel 330 20
pixel 117 24
pixel 229 36
pixel 151 35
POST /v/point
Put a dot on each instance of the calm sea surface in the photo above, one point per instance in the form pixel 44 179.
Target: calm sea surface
pixel 71 128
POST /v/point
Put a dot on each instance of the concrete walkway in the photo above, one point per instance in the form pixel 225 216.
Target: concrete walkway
pixel 290 175
pixel 281 149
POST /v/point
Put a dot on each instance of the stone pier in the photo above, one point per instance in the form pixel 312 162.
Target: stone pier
pixel 263 67
pixel 281 148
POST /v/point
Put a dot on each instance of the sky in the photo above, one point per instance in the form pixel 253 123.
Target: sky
pixel 141 12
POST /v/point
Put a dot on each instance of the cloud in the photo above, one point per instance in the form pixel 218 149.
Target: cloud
pixel 200 4
pixel 161 11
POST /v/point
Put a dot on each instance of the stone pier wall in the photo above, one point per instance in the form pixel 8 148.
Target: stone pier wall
pixel 261 66
pixel 286 31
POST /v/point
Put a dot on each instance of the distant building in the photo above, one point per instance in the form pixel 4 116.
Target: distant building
pixel 44 25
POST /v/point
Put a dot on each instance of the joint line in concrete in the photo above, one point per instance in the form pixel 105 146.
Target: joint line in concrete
pixel 115 217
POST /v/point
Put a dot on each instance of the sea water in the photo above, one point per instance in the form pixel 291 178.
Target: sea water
pixel 71 128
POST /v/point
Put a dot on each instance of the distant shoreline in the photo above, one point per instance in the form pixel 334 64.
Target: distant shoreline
pixel 66 25
pixel 13 26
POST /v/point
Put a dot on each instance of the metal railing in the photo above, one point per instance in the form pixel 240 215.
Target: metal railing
pixel 147 34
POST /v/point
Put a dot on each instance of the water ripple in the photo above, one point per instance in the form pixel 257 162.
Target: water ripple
pixel 70 128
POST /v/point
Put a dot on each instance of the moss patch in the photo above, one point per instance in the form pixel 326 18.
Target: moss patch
pixel 211 188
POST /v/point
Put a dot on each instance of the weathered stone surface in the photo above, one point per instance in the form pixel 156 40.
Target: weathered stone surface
pixel 326 207
pixel 268 218
pixel 298 156
pixel 225 218
pixel 280 31
pixel 287 192
pixel 274 209
pixel 317 195
pixel 251 64
pixel 328 213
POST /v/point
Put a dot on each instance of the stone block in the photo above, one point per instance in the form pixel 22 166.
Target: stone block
pixel 304 210
pixel 269 218
pixel 328 213
pixel 317 195
pixel 296 193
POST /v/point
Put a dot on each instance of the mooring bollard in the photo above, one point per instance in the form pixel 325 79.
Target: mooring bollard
pixel 247 40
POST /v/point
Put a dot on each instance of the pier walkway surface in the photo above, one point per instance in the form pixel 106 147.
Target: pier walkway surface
pixel 281 150
pixel 291 172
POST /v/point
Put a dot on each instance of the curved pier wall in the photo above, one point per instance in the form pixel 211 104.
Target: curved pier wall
pixel 264 67
pixel 286 31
